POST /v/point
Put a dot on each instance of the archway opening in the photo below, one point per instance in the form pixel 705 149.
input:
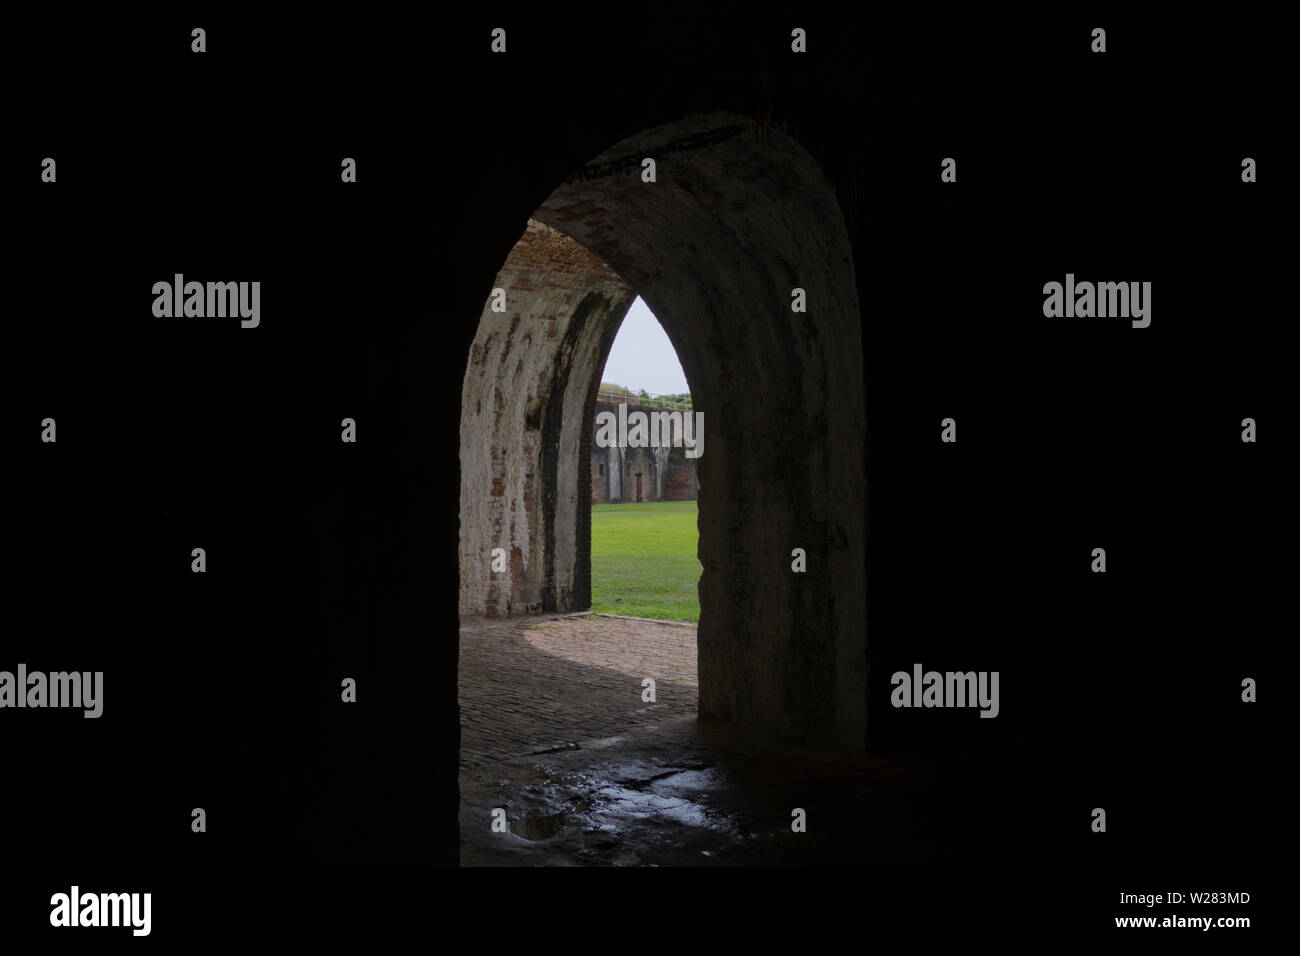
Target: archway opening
pixel 738 246
pixel 644 517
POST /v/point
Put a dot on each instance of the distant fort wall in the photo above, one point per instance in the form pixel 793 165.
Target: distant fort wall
pixel 640 474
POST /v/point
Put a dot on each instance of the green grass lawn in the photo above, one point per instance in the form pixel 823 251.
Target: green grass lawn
pixel 643 560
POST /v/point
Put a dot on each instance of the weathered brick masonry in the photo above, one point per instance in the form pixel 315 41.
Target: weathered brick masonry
pixel 528 384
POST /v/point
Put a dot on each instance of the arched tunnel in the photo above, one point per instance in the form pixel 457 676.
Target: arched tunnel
pixel 717 244
pixel 790 316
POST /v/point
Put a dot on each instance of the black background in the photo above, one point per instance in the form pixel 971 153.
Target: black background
pixel 1119 690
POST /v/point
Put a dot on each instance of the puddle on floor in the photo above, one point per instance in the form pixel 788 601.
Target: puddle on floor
pixel 666 800
pixel 539 826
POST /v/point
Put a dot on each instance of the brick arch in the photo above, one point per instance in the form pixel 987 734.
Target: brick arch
pixel 532 374
pixel 734 222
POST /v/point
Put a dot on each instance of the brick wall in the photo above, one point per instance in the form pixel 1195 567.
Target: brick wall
pixel 680 481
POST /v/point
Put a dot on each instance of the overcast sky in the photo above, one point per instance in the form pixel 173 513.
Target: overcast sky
pixel 642 356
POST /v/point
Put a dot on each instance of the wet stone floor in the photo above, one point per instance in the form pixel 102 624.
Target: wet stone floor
pixel 662 789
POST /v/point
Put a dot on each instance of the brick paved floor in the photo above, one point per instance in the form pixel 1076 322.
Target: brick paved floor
pixel 533 683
